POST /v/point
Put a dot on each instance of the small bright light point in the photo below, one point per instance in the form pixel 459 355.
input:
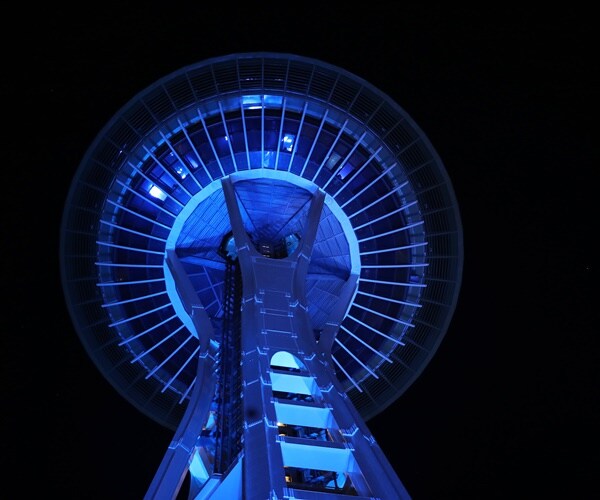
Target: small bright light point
pixel 182 172
pixel 288 142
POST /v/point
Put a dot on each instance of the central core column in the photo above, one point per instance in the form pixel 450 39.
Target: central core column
pixel 274 319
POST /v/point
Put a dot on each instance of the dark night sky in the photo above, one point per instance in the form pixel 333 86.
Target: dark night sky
pixel 507 406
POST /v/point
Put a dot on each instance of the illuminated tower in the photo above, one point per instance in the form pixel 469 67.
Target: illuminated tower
pixel 261 252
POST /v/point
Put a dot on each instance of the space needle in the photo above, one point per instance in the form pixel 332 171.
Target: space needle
pixel 261 252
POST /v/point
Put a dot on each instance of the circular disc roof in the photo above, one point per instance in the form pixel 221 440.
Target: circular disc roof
pixel 283 126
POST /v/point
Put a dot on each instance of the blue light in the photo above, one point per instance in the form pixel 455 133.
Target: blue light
pixel 287 142
pixel 345 170
pixel 231 249
pixel 332 161
pixel 291 243
pixel 182 171
pixel 156 192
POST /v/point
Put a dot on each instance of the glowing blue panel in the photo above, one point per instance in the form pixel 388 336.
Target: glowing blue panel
pixel 308 416
pixel 327 458
pixel 157 193
pixel 286 360
pixel 294 383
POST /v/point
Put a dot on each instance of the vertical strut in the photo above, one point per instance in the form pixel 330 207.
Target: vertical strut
pixel 229 422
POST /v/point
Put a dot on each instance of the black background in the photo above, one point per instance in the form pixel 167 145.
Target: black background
pixel 507 407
